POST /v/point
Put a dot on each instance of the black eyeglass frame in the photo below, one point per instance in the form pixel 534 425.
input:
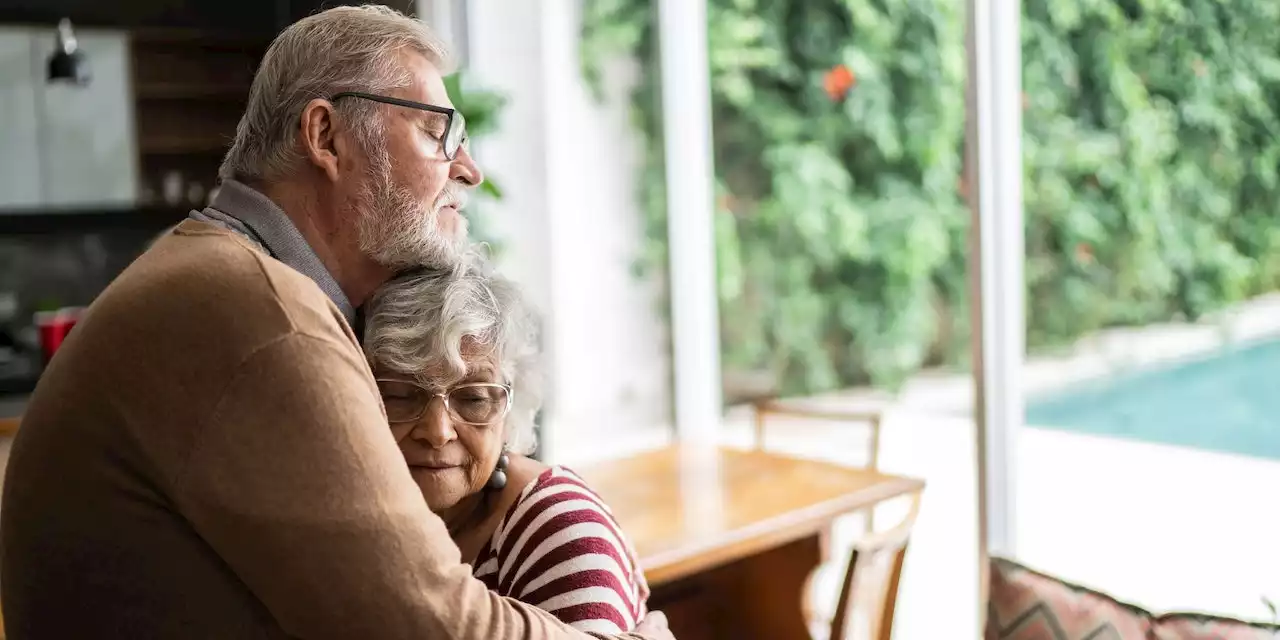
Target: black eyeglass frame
pixel 455 118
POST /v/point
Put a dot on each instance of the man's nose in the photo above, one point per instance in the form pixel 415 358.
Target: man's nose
pixel 465 170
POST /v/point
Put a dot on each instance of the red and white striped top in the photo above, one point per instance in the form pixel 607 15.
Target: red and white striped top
pixel 560 549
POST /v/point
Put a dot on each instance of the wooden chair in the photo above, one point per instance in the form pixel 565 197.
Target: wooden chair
pixel 869 591
pixel 763 409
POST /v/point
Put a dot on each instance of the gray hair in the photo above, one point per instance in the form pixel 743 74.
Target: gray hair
pixel 341 49
pixel 419 321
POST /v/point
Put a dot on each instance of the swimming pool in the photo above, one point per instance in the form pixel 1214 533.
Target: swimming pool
pixel 1228 401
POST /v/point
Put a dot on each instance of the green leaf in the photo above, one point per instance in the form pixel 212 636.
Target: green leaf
pixel 491 189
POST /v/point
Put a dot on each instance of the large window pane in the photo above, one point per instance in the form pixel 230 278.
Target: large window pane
pixel 1151 188
pixel 841 248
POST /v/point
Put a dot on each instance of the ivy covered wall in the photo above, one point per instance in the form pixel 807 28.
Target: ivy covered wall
pixel 1152 190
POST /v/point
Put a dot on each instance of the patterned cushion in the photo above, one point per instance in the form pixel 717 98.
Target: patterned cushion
pixel 1195 627
pixel 1027 605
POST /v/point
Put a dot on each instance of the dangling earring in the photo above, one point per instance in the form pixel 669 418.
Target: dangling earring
pixel 498 479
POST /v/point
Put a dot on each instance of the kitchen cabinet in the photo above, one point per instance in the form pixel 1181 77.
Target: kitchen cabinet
pixel 90 154
pixel 19 149
pixel 241 16
pixel 257 18
pixel 70 146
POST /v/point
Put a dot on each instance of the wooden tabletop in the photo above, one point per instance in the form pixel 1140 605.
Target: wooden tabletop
pixel 9 426
pixel 688 508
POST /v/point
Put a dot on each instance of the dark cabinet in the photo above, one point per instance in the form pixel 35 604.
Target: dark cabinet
pixel 242 17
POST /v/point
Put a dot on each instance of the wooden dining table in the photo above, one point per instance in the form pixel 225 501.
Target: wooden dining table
pixel 728 538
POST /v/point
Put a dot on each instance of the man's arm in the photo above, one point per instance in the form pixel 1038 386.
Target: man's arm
pixel 298 486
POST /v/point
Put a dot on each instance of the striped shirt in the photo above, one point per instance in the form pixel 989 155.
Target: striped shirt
pixel 559 549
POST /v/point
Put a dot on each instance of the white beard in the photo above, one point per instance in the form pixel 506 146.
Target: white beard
pixel 398 232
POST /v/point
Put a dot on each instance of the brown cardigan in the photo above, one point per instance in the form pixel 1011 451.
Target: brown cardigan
pixel 207 457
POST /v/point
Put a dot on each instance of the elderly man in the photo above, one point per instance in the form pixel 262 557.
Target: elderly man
pixel 207 457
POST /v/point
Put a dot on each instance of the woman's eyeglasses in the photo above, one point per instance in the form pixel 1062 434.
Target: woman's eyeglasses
pixel 478 403
pixel 455 130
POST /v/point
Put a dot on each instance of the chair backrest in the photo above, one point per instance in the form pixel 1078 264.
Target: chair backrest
pixel 868 596
pixel 764 408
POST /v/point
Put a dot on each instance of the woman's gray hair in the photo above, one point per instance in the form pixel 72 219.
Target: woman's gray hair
pixel 420 323
pixel 341 49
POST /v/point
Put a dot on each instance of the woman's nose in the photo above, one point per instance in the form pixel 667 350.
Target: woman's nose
pixel 434 427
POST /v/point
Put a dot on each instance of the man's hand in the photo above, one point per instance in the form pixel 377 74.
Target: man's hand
pixel 654 627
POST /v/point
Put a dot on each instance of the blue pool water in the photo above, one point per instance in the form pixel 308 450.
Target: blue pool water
pixel 1228 402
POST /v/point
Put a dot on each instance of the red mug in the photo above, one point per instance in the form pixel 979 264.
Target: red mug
pixel 54 327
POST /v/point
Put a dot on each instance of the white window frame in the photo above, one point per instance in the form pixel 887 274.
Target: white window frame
pixel 448 19
pixel 690 181
pixel 997 283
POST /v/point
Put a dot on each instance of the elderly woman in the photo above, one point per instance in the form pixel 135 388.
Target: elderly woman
pixel 455 357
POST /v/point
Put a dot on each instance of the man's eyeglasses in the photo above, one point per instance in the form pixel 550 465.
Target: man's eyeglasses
pixel 455 130
pixel 479 403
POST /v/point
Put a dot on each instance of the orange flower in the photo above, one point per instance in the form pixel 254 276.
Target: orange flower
pixel 837 82
pixel 1084 253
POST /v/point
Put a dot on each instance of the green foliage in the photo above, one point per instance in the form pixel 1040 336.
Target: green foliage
pixel 1152 170
pixel 1151 138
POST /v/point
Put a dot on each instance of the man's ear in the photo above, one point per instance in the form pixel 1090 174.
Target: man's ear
pixel 318 127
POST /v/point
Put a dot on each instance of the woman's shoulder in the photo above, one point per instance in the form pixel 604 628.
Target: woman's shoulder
pixel 558 475
pixel 549 514
pixel 561 549
pixel 534 494
pixel 523 473
pixel 550 486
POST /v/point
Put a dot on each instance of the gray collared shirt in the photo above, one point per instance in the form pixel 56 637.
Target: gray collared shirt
pixel 243 209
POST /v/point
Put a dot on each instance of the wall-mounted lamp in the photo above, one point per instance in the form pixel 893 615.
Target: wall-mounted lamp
pixel 68 63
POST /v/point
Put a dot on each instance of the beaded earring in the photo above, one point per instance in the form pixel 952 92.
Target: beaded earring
pixel 498 479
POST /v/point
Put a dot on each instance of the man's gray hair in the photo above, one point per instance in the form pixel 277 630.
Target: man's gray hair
pixel 422 323
pixel 341 49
